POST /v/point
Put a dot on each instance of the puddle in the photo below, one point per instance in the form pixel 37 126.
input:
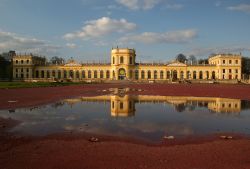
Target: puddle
pixel 139 116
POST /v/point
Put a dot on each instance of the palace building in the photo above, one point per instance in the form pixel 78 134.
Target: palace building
pixel 123 66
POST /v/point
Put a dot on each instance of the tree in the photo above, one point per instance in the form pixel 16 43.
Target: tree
pixel 246 65
pixel 56 60
pixel 192 59
pixel 181 58
pixel 5 69
pixel 203 61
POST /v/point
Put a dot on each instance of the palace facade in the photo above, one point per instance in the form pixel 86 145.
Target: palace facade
pixel 123 66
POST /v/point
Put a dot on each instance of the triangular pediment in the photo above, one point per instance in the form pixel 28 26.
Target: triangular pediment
pixel 176 63
pixel 72 63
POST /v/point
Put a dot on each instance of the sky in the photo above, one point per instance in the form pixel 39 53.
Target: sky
pixel 86 30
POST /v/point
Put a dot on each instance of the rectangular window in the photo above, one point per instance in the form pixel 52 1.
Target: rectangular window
pixel 121 105
pixel 130 60
pixel 230 70
pixel 236 61
pixel 27 70
pixel 224 61
pixel 121 60
pixel 224 71
pixel 236 70
pixel 230 61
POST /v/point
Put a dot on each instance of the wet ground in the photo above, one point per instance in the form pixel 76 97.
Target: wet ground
pixel 216 136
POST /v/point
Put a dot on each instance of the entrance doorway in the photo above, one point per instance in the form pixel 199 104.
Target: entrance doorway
pixel 174 76
pixel 121 74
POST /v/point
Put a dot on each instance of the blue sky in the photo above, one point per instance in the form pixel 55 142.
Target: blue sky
pixel 158 29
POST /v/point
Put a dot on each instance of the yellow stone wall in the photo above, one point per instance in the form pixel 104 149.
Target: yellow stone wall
pixel 228 66
pixel 123 66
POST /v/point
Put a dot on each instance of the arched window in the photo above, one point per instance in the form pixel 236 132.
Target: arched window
pixel 175 75
pixel 207 74
pixel 48 74
pixel 53 73
pixel 16 61
pixel 37 74
pixel 107 74
pixel 213 75
pixel 201 75
pixel 89 74
pixel 101 74
pixel 155 74
pixel 71 74
pixel 83 74
pixel 121 59
pixel 21 61
pixel 113 60
pixel 194 74
pixel 136 74
pixel 182 75
pixel 65 74
pixel 149 74
pixel 28 61
pixel 95 74
pixel 113 74
pixel 59 75
pixel 168 75
pixel 142 74
pixel 130 60
pixel 161 75
pixel 77 74
pixel 42 74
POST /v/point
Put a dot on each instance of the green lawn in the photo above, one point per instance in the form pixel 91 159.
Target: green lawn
pixel 4 85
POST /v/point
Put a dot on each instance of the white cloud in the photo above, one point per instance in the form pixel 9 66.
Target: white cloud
pixel 71 45
pixel 101 27
pixel 174 6
pixel 12 41
pixel 113 7
pixel 182 36
pixel 218 3
pixel 101 43
pixel 139 4
pixel 240 7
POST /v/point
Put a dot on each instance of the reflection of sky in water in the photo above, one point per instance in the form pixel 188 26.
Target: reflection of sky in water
pixel 149 121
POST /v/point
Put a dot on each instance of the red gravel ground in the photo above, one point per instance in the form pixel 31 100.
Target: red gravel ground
pixel 73 151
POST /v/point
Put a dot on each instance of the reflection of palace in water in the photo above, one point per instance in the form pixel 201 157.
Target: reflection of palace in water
pixel 124 106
